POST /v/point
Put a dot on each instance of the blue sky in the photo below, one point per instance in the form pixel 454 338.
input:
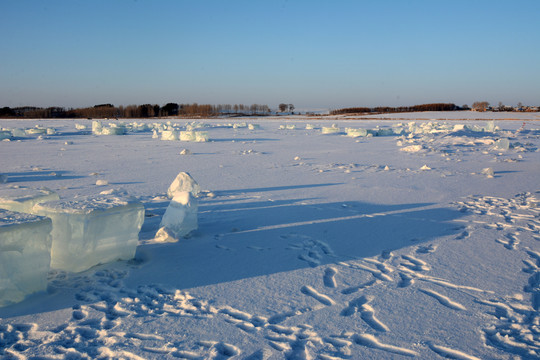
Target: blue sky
pixel 314 54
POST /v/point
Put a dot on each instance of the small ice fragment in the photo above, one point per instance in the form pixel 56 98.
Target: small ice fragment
pixel 94 174
pixel 488 172
pixel 297 158
pixel 102 182
pixel 386 168
pixel 185 152
pixel 68 143
pixel 183 182
pixel 412 148
pixel 425 167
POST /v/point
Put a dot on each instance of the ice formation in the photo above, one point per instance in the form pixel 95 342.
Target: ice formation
pixel 25 255
pixel 330 130
pixel 5 135
pixel 182 183
pixel 23 199
pixel 180 218
pixel 170 135
pixel 89 231
pixel 356 132
pixel 197 136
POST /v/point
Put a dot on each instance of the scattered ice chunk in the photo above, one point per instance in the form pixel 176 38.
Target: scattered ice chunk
pixel 80 127
pixel 254 126
pixel 102 182
pixel 183 182
pixel 114 129
pixel 330 130
pixel 185 152
pixel 488 172
pixel 356 132
pixel 179 219
pixel 490 126
pixel 92 230
pixel 412 148
pixel 297 158
pixel 5 135
pixel 96 127
pixel 310 127
pixel 425 167
pixel 386 168
pixel 170 135
pixel 23 199
pixel 25 255
pixel 502 144
pixel 201 136
pixel 187 136
pixel 36 131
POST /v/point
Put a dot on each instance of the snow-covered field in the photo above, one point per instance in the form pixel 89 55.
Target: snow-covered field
pixel 424 244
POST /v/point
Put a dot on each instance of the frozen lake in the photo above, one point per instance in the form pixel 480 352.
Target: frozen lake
pixel 422 242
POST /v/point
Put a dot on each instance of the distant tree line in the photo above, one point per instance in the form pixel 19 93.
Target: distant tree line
pixel 136 111
pixel 388 109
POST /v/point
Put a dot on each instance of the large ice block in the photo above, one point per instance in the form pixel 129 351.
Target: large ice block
pixel 89 231
pixel 25 255
pixel 23 199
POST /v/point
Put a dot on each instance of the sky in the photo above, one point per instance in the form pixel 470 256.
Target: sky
pixel 314 54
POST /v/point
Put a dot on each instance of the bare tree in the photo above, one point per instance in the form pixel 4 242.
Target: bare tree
pixel 480 105
pixel 283 107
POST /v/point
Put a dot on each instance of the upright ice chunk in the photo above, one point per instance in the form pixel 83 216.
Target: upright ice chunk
pixel 89 231
pixel 183 182
pixel 97 127
pixel 25 255
pixel 180 218
pixel 23 199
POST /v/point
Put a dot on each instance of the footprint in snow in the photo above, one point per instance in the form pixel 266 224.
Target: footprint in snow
pixel 330 277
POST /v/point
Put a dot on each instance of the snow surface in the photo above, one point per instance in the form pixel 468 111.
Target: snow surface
pixel 309 245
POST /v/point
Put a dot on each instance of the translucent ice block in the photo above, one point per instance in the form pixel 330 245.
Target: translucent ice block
pixel 25 255
pixel 180 218
pixel 90 231
pixel 23 199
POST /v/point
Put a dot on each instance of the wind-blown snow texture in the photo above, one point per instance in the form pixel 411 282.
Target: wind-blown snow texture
pixel 309 245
